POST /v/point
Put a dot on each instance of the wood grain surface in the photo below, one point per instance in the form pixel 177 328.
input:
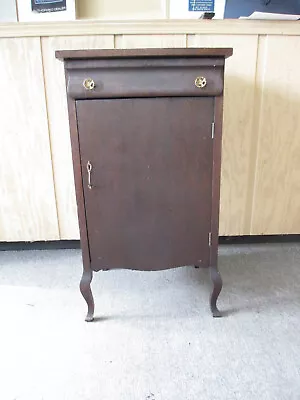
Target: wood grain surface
pixel 276 205
pixel 149 205
pixel 168 53
pixel 59 125
pixel 27 206
pixel 148 41
pixel 151 27
pixel 240 71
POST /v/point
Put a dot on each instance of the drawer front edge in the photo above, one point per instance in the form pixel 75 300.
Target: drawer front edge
pixel 145 82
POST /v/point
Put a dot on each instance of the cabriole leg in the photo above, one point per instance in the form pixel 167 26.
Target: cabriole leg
pixel 217 287
pixel 86 291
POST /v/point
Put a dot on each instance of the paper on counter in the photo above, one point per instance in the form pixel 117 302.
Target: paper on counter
pixel 272 16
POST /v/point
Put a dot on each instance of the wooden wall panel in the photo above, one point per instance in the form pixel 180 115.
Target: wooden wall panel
pixel 59 125
pixel 27 206
pixel 150 27
pixel 144 41
pixel 276 205
pixel 260 192
pixel 238 139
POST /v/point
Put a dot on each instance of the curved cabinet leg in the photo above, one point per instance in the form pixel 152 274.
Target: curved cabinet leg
pixel 217 287
pixel 86 291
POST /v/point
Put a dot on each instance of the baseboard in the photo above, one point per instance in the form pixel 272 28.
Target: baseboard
pixel 75 244
pixel 50 245
pixel 252 239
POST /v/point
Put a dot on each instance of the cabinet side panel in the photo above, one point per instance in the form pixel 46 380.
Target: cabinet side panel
pixel 59 126
pixel 27 204
pixel 216 175
pixel 81 212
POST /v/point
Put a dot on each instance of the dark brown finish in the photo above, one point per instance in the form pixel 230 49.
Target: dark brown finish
pixel 139 53
pixel 85 289
pixel 215 204
pixel 152 141
pixel 151 181
pixel 216 178
pixel 154 81
pixel 145 62
pixel 78 185
pixel 217 287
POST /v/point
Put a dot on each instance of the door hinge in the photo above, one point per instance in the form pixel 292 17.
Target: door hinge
pixel 212 130
pixel 209 239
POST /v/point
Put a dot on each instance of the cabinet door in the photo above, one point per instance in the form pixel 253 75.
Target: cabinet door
pixel 150 202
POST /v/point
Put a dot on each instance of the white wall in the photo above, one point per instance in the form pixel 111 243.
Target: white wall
pixel 8 11
pixel 120 9
pixel 137 9
pixel 179 9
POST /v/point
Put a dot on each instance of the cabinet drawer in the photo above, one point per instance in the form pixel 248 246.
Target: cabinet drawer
pixel 145 82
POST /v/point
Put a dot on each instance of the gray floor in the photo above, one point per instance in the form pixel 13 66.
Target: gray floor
pixel 154 338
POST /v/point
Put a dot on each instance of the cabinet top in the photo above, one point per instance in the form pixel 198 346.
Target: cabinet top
pixel 136 53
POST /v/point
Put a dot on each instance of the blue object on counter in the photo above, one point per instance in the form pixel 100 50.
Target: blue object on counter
pixel 202 5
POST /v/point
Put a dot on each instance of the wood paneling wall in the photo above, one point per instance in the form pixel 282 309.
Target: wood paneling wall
pixel 158 41
pixel 276 195
pixel 260 189
pixel 59 125
pixel 27 201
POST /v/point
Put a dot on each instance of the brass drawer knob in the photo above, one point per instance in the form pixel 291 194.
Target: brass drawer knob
pixel 200 82
pixel 89 84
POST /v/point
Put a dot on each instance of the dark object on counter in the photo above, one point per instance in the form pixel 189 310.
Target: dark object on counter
pixel 207 15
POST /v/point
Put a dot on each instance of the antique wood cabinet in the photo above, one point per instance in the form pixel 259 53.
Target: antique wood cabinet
pixel 146 130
